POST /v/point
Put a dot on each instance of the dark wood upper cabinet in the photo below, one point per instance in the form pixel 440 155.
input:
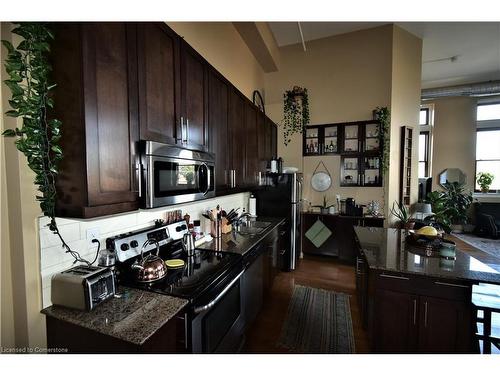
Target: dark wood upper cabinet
pixel 274 140
pixel 95 66
pixel 159 82
pixel 251 139
pixel 237 135
pixel 194 98
pixel 218 129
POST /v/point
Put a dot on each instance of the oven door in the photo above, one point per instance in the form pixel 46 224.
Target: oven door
pixel 215 322
pixel 174 180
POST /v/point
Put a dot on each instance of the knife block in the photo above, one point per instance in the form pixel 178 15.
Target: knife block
pixel 226 227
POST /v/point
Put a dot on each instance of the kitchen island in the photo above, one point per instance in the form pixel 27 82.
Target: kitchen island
pixel 411 303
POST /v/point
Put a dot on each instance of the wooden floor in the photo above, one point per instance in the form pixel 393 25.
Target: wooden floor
pixel 314 271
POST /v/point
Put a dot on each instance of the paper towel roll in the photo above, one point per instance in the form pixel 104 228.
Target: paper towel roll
pixel 252 206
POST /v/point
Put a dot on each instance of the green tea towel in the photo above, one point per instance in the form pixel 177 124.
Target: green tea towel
pixel 318 233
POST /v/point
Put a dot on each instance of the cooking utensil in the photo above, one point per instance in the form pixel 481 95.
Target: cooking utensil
pixel 150 268
pixel 188 244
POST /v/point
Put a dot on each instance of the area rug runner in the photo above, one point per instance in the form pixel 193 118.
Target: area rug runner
pixel 318 321
pixel 487 245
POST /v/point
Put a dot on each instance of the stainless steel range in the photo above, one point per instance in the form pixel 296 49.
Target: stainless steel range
pixel 209 280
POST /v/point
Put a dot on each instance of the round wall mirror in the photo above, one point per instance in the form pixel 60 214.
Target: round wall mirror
pixel 321 181
pixel 452 175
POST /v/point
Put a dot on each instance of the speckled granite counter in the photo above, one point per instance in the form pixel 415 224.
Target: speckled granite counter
pixel 241 243
pixel 134 317
pixel 386 250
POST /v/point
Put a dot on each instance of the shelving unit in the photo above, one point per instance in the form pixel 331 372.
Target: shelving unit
pixel 357 143
pixel 405 170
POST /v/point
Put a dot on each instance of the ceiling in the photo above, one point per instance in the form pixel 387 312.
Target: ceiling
pixel 476 46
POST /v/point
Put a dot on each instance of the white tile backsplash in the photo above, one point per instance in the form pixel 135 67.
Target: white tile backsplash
pixel 74 231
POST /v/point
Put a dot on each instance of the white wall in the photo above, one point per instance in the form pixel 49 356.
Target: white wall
pixel 74 231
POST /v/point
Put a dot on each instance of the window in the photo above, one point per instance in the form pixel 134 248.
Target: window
pixel 488 155
pixel 487 112
pixel 423 154
pixel 424 116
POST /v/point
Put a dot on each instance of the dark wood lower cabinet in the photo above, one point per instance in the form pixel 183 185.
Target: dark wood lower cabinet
pixel 395 322
pixel 75 339
pixel 410 314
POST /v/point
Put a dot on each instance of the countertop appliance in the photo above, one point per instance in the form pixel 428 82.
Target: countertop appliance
pixel 281 197
pixel 82 287
pixel 209 280
pixel 171 175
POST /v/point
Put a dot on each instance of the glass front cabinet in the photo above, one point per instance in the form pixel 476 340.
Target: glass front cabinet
pixel 359 147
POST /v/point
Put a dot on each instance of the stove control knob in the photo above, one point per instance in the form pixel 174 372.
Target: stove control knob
pixel 180 228
pixel 134 244
pixel 124 246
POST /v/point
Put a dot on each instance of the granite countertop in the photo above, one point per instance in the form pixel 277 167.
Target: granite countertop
pixel 241 243
pixel 134 317
pixel 386 250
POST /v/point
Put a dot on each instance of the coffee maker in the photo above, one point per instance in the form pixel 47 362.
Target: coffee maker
pixel 351 209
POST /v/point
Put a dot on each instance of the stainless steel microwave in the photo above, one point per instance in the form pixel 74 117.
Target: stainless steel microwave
pixel 172 175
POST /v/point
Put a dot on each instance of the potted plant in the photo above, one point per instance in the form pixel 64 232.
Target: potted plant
pixel 402 213
pixel 484 180
pixel 325 207
pixel 296 112
pixel 450 206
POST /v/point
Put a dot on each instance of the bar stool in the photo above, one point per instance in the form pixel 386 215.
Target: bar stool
pixel 486 299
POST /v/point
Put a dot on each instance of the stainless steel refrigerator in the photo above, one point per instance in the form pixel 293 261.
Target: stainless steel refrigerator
pixel 281 196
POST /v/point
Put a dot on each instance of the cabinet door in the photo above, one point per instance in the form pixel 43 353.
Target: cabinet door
pixel 218 128
pixel 395 322
pixel 158 71
pixel 194 93
pixel 445 326
pixel 261 132
pixel 274 140
pixel 252 152
pixel 251 290
pixel 237 135
pixel 111 124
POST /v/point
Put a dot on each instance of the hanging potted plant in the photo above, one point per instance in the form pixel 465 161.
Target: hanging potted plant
pixel 28 68
pixel 383 115
pixel 296 112
pixel 484 180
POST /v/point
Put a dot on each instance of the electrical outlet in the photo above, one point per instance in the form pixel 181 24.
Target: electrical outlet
pixel 91 234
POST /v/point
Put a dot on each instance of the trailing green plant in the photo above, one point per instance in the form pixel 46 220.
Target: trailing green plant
pixel 484 180
pixel 401 212
pixel 28 70
pixel 449 206
pixel 295 112
pixel 383 115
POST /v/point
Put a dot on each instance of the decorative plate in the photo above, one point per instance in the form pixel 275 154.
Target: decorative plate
pixel 321 181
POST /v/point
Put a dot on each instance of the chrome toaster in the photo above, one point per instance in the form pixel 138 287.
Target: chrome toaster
pixel 82 287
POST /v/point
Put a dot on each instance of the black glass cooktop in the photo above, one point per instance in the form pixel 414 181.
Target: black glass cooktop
pixel 201 272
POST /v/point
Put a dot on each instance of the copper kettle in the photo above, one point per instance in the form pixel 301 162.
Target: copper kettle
pixel 151 267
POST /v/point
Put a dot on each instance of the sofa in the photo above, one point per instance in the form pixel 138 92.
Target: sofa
pixel 487 216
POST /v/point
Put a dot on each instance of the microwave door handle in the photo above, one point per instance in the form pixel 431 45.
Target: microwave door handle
pixel 204 166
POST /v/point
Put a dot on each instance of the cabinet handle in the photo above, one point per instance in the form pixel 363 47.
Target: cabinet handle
pixel 182 130
pixel 394 277
pixel 187 130
pixel 415 312
pixel 425 314
pixel 449 284
pixel 234 178
pixel 138 169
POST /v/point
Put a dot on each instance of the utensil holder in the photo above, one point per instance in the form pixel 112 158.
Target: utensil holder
pixel 216 229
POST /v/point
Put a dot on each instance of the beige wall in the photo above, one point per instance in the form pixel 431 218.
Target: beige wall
pixel 346 76
pixel 222 46
pixel 405 105
pixel 22 322
pixel 454 137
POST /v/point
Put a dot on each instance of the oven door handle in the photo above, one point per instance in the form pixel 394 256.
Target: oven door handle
pixel 212 303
